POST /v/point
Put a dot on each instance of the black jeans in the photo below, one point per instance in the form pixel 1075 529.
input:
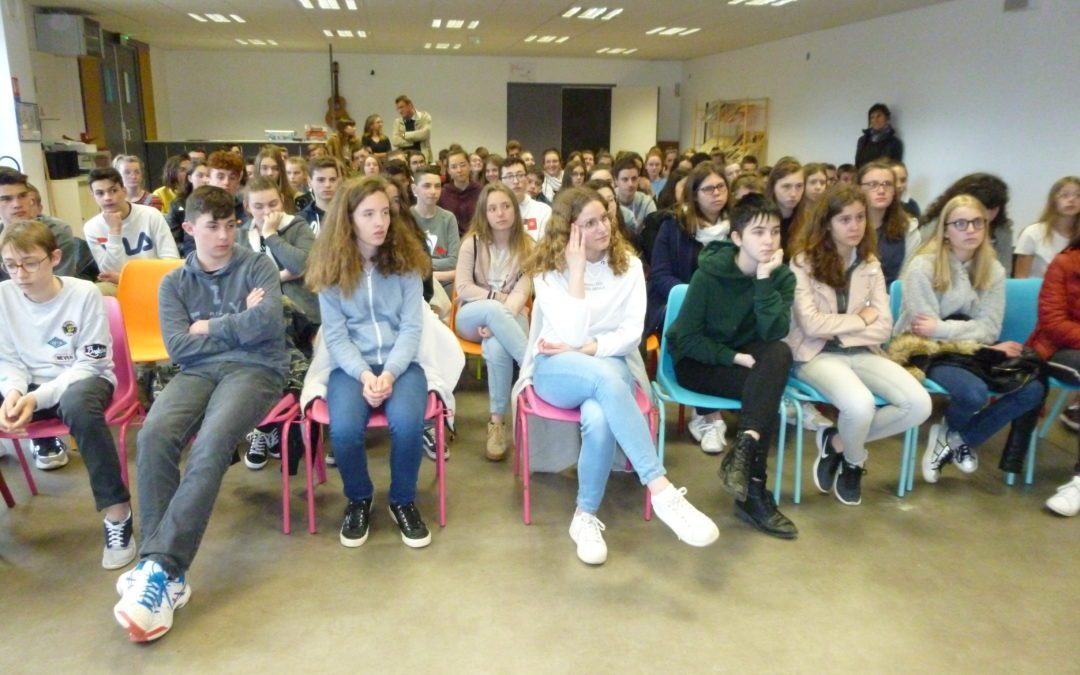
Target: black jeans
pixel 82 408
pixel 1070 358
pixel 759 389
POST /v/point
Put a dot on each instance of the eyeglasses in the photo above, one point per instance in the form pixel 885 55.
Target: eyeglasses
pixel 30 266
pixel 513 177
pixel 875 185
pixel 964 224
pixel 593 223
pixel 711 190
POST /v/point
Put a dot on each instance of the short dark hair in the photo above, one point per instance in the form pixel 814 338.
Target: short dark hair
pixel 456 149
pixel 625 162
pixel 751 207
pixel 402 98
pixel 511 161
pixel 749 159
pixel 110 174
pixel 536 172
pixel 429 169
pixel 209 199
pixel 225 160
pixel 323 163
pixel 9 176
pixel 881 108
pixel 416 153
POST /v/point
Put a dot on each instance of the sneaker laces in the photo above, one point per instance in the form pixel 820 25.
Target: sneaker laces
pixel 153 591
pixel 114 533
pixel 716 431
pixel 680 507
pixel 942 454
pixel 963 452
pixel 258 441
pixel 591 528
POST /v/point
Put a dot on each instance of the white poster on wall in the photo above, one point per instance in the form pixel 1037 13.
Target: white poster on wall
pixel 634 112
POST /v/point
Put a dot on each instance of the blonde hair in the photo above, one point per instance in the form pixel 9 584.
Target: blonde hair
pixel 520 243
pixel 547 256
pixel 1050 213
pixel 335 259
pixel 938 247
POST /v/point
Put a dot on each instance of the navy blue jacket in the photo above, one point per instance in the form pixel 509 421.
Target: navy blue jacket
pixel 674 261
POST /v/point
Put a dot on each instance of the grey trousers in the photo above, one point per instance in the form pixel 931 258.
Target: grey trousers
pixel 219 404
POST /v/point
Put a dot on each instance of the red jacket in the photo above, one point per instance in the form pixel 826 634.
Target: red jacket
pixel 1059 306
pixel 461 203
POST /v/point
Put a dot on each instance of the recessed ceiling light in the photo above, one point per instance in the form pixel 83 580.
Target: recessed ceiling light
pixel 442 45
pixel 689 31
pixel 243 42
pixel 272 42
pixel 562 39
pixel 427 45
pixel 616 50
pixel 546 38
pixel 350 4
pixel 258 42
pixel 328 33
pixel 473 25
pixel 236 18
pixel 630 51
pixel 457 45
pixel 656 30
pixel 673 31
pixel 344 33
pixel 612 14
pixel 218 18
pixel 361 33
pixel 197 17
pixel 592 13
pixel 782 2
pixel 531 38
pixel 571 12
pixel 455 23
pixel 602 50
pixel 306 4
pixel 329 4
pixel 436 23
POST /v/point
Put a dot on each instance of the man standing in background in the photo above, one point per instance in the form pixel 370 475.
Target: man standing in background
pixel 412 128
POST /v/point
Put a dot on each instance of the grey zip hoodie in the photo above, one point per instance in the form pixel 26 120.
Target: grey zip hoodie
pixel 238 334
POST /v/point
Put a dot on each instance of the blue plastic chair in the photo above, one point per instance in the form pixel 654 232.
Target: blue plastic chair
pixel 802 392
pixel 668 390
pixel 1021 313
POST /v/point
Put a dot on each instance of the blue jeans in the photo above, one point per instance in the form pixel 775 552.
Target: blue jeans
pixel 603 389
pixel 349 415
pixel 509 335
pixel 969 415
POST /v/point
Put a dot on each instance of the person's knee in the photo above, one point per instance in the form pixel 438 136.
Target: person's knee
pixel 920 404
pixel 778 353
pixel 593 419
pixel 857 405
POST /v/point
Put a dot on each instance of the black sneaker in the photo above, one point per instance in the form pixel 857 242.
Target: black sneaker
pixel 119 544
pixel 354 527
pixel 759 510
pixel 413 530
pixel 735 468
pixel 429 440
pixel 49 453
pixel 827 462
pixel 273 441
pixel 255 457
pixel 848 486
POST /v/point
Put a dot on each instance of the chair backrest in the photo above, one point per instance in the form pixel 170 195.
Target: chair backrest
pixel 123 368
pixel 138 296
pixel 664 366
pixel 1021 308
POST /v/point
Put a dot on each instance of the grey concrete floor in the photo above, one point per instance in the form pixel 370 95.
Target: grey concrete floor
pixel 964 576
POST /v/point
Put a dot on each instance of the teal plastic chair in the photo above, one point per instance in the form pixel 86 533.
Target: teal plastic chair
pixel 668 390
pixel 1021 313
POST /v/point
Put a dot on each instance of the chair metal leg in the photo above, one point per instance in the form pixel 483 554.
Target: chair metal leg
pixel 653 431
pixel 523 424
pixel 1055 410
pixel 286 524
pixel 781 441
pixel 8 499
pixel 440 461
pixel 1029 471
pixel 310 461
pixel 25 467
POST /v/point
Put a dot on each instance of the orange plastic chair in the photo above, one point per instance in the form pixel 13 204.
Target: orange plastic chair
pixel 470 348
pixel 138 296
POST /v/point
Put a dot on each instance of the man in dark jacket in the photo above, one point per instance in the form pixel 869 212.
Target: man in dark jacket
pixel 880 140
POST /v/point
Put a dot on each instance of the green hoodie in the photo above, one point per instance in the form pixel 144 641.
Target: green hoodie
pixel 724 309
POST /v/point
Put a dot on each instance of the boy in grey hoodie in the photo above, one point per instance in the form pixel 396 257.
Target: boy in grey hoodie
pixel 221 317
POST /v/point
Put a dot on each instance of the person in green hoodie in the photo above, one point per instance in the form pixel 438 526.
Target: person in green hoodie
pixel 728 341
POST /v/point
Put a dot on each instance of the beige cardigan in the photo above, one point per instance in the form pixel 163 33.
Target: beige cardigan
pixel 815 318
pixel 471 282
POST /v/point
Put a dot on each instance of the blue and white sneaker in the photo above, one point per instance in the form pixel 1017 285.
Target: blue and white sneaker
pixel 148 598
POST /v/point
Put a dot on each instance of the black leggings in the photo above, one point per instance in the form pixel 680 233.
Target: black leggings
pixel 1070 358
pixel 759 389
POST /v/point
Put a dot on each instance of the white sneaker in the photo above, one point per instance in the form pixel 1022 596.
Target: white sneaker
pixel 938 453
pixel 587 532
pixel 1066 501
pixel 812 419
pixel 689 524
pixel 178 590
pixel 697 426
pixel 147 603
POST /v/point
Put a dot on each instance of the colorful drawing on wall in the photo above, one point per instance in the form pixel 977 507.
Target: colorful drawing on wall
pixel 739 128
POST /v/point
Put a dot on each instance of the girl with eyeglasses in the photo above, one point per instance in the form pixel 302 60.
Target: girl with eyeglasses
pixel 1060 220
pixel 897 233
pixel 590 305
pixel 840 320
pixel 993 193
pixel 574 174
pixel 954 289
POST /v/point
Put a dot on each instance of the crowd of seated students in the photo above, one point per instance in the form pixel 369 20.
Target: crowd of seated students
pixel 561 268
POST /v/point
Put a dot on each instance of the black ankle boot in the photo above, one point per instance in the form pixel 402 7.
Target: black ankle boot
pixel 759 510
pixel 1016 446
pixel 735 468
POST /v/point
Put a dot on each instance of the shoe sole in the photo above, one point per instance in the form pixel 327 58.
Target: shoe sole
pixel 353 543
pixel 1075 426
pixel 50 465
pixel 1056 511
pixel 712 452
pixel 255 466
pixel 844 501
pixel 135 632
pixel 411 542
pixel 928 474
pixel 745 517
pixel 819 438
pixel 120 564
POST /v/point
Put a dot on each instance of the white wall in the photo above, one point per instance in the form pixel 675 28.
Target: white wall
pixel 971 89
pixel 237 94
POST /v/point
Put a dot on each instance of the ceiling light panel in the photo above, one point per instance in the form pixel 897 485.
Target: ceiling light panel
pixel 197 17
pixel 593 13
pixel 612 14
pixel 455 24
pixel 350 5
pixel 681 31
pixel 306 4
pixel 236 18
pixel 623 51
pixel 329 4
pixel 569 14
pixel 473 25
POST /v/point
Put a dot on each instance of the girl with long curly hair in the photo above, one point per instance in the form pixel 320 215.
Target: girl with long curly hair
pixel 590 299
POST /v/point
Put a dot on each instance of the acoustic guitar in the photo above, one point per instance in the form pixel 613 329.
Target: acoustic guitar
pixel 335 105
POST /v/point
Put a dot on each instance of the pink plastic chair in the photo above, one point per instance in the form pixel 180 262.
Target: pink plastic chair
pixel 122 411
pixel 319 413
pixel 529 403
pixel 8 499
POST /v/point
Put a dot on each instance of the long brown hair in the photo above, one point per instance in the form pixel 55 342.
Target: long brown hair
pixel 288 195
pixel 816 244
pixel 335 259
pixel 1050 214
pixel 547 256
pixel 688 211
pixel 894 222
pixel 520 243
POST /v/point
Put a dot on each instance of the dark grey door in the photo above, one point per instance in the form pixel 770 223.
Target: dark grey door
pixel 124 132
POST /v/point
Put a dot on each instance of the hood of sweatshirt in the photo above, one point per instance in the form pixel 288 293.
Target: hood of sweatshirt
pixel 718 260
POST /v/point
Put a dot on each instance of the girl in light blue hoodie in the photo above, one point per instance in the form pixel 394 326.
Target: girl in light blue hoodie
pixel 367 269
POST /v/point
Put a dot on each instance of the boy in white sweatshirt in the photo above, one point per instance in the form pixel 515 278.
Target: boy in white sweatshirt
pixel 123 231
pixel 56 361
